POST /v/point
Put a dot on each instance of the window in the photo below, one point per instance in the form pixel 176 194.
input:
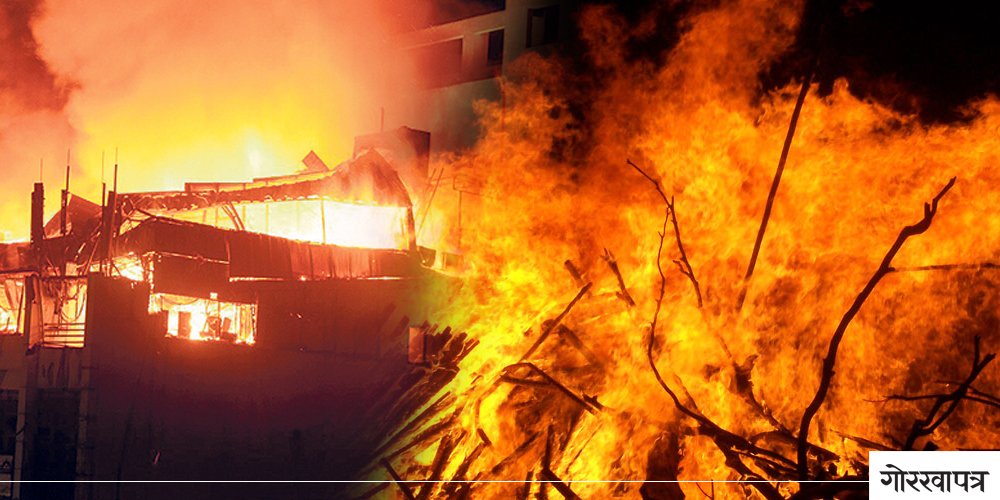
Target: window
pixel 543 26
pixel 439 64
pixel 494 48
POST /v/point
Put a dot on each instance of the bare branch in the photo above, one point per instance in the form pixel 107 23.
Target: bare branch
pixel 724 440
pixel 682 263
pixel 398 480
pixel 831 357
pixel 935 417
pixel 769 204
pixel 609 258
pixel 556 322
pixel 945 267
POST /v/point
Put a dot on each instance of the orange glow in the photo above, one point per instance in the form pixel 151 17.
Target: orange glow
pixel 857 173
pixel 318 221
pixel 203 319
pixel 187 90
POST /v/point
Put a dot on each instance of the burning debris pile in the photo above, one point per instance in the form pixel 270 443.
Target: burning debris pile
pixel 623 342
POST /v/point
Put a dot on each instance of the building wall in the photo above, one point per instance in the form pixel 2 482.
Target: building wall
pixel 133 404
pixel 445 107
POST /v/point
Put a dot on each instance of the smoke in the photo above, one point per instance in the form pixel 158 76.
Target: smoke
pixel 191 91
pixel 32 123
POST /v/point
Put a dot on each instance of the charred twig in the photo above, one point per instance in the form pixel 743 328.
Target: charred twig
pixel 970 397
pixel 945 267
pixel 463 468
pixel 548 330
pixel 769 204
pixel 440 460
pixel 588 403
pixel 867 443
pixel 710 497
pixel 936 416
pixel 574 272
pixel 831 357
pixel 723 439
pixel 575 341
pixel 609 258
pixel 557 483
pixel 396 479
pixel 683 264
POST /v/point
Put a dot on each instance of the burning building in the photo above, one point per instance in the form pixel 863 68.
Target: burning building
pixel 229 331
pixel 719 252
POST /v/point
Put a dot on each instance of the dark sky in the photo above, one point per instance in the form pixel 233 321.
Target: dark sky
pixel 928 58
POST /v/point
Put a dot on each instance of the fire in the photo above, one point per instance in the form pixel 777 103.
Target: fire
pixel 205 319
pixel 560 190
pixel 182 90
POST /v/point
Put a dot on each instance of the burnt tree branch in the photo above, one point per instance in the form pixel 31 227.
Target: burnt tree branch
pixel 723 439
pixel 545 333
pixel 683 264
pixel 609 258
pixel 769 204
pixel 940 412
pixel 831 358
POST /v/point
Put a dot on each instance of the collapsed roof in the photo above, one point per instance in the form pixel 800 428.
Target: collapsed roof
pixel 366 180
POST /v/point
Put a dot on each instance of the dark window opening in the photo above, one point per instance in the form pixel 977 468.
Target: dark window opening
pixel 494 50
pixel 446 11
pixel 543 26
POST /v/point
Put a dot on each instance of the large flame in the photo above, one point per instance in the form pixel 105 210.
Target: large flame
pixel 188 91
pixel 857 173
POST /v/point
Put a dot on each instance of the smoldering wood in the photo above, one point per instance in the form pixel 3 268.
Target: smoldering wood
pixel 445 448
pixel 574 340
pixel 946 267
pixel 396 479
pixel 482 435
pixel 574 272
pixel 589 404
pixel 609 259
pixel 427 434
pixel 936 416
pixel 545 333
pixel 463 468
pixel 558 484
pixel 524 491
pixel 515 455
pixel 831 358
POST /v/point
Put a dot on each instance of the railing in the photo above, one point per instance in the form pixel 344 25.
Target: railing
pixel 63 334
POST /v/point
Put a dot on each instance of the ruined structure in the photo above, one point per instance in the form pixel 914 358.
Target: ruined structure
pixel 236 331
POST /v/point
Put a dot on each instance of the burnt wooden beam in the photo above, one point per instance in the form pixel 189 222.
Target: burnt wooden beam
pixel 574 272
pixel 545 333
pixel 558 484
pixel 588 403
pixel 577 344
pixel 398 480
pixel 609 259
